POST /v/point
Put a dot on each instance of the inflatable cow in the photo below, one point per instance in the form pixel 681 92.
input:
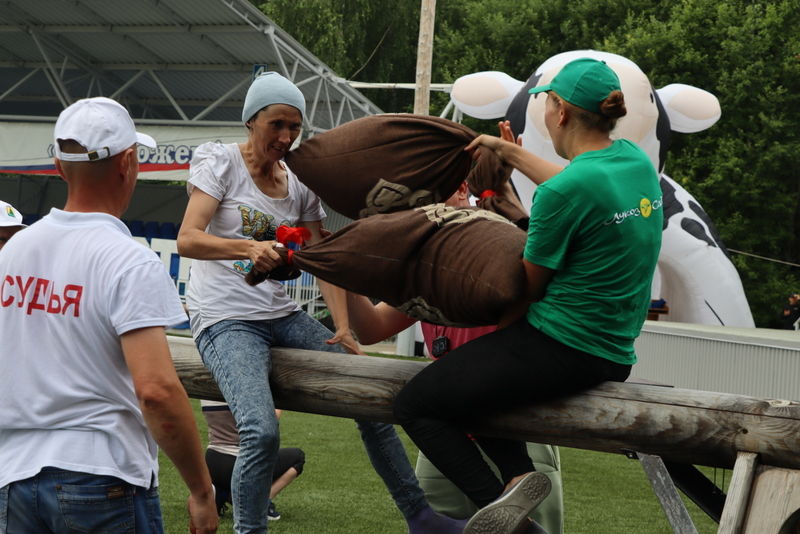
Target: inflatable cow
pixel 694 275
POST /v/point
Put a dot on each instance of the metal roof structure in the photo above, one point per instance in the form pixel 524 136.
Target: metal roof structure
pixel 170 62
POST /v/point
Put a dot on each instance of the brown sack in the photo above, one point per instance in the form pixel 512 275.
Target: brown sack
pixel 449 266
pixel 385 163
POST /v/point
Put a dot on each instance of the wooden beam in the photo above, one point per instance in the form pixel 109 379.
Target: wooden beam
pixel 681 425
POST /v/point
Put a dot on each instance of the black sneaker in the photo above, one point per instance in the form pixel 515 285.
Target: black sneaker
pixel 509 513
pixel 272 513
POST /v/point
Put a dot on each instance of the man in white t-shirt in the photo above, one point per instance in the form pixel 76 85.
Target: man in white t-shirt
pixel 87 384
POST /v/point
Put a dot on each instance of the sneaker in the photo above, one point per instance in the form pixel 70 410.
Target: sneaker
pixel 272 513
pixel 509 512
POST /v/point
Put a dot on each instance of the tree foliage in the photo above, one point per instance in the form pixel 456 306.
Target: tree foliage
pixel 361 40
pixel 745 171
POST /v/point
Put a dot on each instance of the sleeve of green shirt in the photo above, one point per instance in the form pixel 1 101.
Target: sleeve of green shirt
pixel 553 222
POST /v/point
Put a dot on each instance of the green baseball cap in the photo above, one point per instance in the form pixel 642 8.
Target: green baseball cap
pixel 583 82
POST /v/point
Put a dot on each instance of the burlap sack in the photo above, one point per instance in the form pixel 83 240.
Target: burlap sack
pixel 385 163
pixel 449 266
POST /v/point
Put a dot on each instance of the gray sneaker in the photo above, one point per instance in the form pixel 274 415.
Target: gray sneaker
pixel 509 512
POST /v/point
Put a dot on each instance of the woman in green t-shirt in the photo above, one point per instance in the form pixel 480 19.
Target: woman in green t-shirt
pixel 593 243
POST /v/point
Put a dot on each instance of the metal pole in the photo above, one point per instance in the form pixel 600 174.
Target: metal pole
pixel 424 57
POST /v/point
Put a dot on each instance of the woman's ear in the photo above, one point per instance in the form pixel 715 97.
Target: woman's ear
pixel 563 116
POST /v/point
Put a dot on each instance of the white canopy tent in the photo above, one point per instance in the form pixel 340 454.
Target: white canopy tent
pixel 182 67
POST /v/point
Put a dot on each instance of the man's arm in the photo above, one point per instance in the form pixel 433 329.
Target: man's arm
pixel 169 417
pixel 373 323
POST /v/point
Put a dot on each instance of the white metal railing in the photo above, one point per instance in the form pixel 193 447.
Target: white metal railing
pixel 305 292
pixel 759 362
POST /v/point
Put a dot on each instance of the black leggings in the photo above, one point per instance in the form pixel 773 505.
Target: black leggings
pixel 220 466
pixel 511 367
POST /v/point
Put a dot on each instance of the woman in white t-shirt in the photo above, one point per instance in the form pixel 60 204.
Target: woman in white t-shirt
pixel 239 195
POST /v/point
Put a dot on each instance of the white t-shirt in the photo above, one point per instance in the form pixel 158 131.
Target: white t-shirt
pixel 70 285
pixel 217 290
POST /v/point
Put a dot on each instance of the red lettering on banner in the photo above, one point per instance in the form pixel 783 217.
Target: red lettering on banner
pixel 23 289
pixel 72 296
pixel 39 291
pixel 6 302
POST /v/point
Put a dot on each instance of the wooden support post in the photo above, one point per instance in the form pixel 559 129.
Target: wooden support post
pixel 767 500
pixel 668 496
pixel 738 494
pixel 427 15
pixel 679 425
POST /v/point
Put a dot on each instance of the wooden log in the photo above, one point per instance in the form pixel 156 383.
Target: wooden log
pixel 681 425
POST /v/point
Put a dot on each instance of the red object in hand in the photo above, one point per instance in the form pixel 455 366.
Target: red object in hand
pixel 289 234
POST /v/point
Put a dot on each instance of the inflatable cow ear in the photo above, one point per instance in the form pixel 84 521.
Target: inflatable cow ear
pixel 485 95
pixel 690 109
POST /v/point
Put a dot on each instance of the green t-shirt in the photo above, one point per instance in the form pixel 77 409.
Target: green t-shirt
pixel 598 224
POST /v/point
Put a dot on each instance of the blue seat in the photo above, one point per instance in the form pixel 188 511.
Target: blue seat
pixel 30 218
pixel 136 228
pixel 151 230
pixel 168 230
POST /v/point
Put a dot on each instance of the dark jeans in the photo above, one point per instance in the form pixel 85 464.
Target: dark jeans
pixel 515 366
pixel 67 502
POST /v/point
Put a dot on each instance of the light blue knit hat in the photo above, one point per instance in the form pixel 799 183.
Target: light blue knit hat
pixel 271 88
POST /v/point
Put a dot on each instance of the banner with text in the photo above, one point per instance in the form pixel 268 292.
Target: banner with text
pixel 27 148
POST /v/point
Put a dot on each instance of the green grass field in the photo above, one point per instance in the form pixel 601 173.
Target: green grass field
pixel 339 493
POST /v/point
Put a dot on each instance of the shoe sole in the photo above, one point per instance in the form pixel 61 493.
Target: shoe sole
pixel 509 512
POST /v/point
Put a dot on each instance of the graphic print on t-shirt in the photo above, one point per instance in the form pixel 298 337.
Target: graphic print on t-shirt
pixel 259 226
pixel 644 209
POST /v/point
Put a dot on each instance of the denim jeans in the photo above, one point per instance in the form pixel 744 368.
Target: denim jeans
pixel 69 502
pixel 237 353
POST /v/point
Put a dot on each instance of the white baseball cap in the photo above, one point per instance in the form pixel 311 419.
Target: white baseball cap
pixel 101 125
pixel 9 216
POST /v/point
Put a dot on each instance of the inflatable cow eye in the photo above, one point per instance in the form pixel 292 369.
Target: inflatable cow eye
pixel 695 275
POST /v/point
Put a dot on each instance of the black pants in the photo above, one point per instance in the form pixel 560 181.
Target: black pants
pixel 220 466
pixel 515 366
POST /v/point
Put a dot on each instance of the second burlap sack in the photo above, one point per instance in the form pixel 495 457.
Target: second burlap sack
pixel 448 266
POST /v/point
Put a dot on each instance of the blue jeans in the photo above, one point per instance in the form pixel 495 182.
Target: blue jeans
pixel 68 502
pixel 237 353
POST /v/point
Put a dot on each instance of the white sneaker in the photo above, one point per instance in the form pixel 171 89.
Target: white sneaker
pixel 509 512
